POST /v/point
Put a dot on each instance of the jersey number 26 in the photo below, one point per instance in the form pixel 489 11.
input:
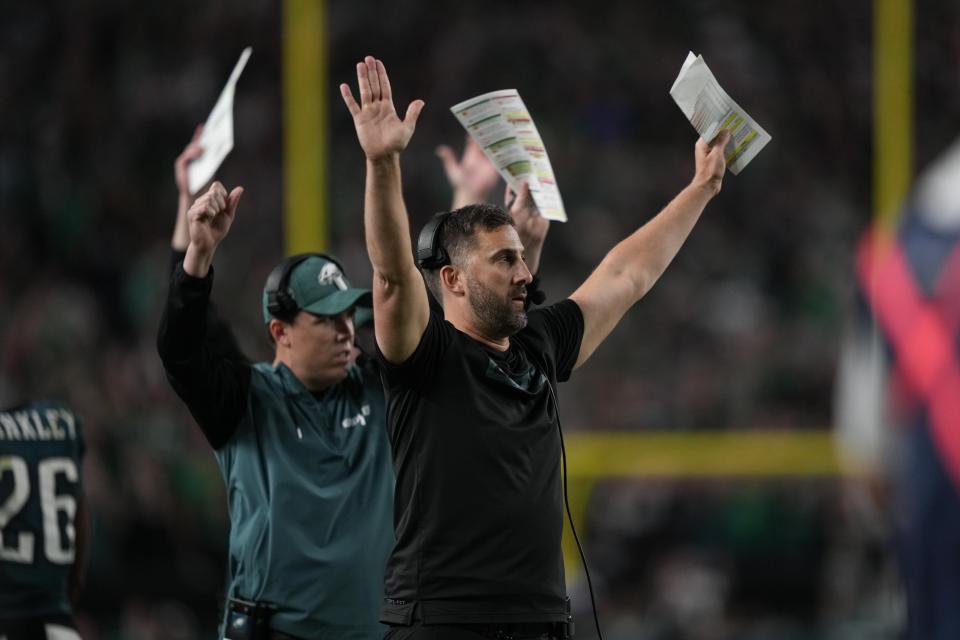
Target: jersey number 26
pixel 51 506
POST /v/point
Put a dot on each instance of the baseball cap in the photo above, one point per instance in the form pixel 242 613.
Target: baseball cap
pixel 318 286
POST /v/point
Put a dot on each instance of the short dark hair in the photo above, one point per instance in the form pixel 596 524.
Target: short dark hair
pixel 458 236
pixel 289 317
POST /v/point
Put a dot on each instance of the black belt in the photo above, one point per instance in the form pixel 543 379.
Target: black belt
pixel 519 630
pixel 498 630
pixel 250 620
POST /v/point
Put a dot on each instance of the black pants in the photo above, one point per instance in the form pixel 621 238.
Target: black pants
pixel 419 631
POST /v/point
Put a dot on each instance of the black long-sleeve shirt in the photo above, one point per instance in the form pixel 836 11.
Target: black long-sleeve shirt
pixel 203 362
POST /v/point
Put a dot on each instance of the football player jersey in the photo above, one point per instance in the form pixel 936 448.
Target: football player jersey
pixel 40 453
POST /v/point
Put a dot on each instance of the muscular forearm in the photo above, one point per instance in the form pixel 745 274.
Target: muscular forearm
pixel 401 308
pixel 632 267
pixel 644 255
pixel 386 223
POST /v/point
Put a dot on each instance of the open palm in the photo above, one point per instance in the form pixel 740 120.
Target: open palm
pixel 472 176
pixel 380 131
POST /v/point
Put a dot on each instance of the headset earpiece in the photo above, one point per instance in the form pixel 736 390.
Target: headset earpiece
pixel 430 255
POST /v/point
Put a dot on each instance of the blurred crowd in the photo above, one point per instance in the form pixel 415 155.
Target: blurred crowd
pixel 742 333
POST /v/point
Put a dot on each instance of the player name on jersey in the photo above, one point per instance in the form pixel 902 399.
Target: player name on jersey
pixel 40 425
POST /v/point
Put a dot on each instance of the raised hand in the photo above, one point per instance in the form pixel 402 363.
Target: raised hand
pixel 380 131
pixel 191 152
pixel 531 226
pixel 711 162
pixel 471 177
pixel 210 218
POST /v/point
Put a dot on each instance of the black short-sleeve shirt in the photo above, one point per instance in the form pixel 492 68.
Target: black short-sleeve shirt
pixel 479 506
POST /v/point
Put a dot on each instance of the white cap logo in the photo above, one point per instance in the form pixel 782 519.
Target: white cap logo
pixel 330 274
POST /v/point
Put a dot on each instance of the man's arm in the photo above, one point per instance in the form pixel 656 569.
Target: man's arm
pixel 218 331
pixel 181 233
pixel 400 303
pixel 531 226
pixel 202 362
pixel 632 267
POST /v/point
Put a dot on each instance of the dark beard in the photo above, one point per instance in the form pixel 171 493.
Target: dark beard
pixel 495 316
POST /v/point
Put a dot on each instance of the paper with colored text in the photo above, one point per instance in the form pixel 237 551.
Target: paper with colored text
pixel 709 109
pixel 504 129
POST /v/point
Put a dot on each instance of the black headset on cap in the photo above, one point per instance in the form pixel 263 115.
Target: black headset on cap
pixel 280 300
pixel 432 255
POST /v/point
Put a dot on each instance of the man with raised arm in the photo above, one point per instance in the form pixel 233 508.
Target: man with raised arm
pixel 471 406
pixel 300 441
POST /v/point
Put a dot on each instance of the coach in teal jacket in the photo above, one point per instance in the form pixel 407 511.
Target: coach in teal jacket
pixel 301 442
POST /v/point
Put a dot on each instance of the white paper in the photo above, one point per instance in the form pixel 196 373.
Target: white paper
pixel 710 110
pixel 504 129
pixel 217 137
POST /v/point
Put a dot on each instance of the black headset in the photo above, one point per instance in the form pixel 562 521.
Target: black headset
pixel 430 254
pixel 280 301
